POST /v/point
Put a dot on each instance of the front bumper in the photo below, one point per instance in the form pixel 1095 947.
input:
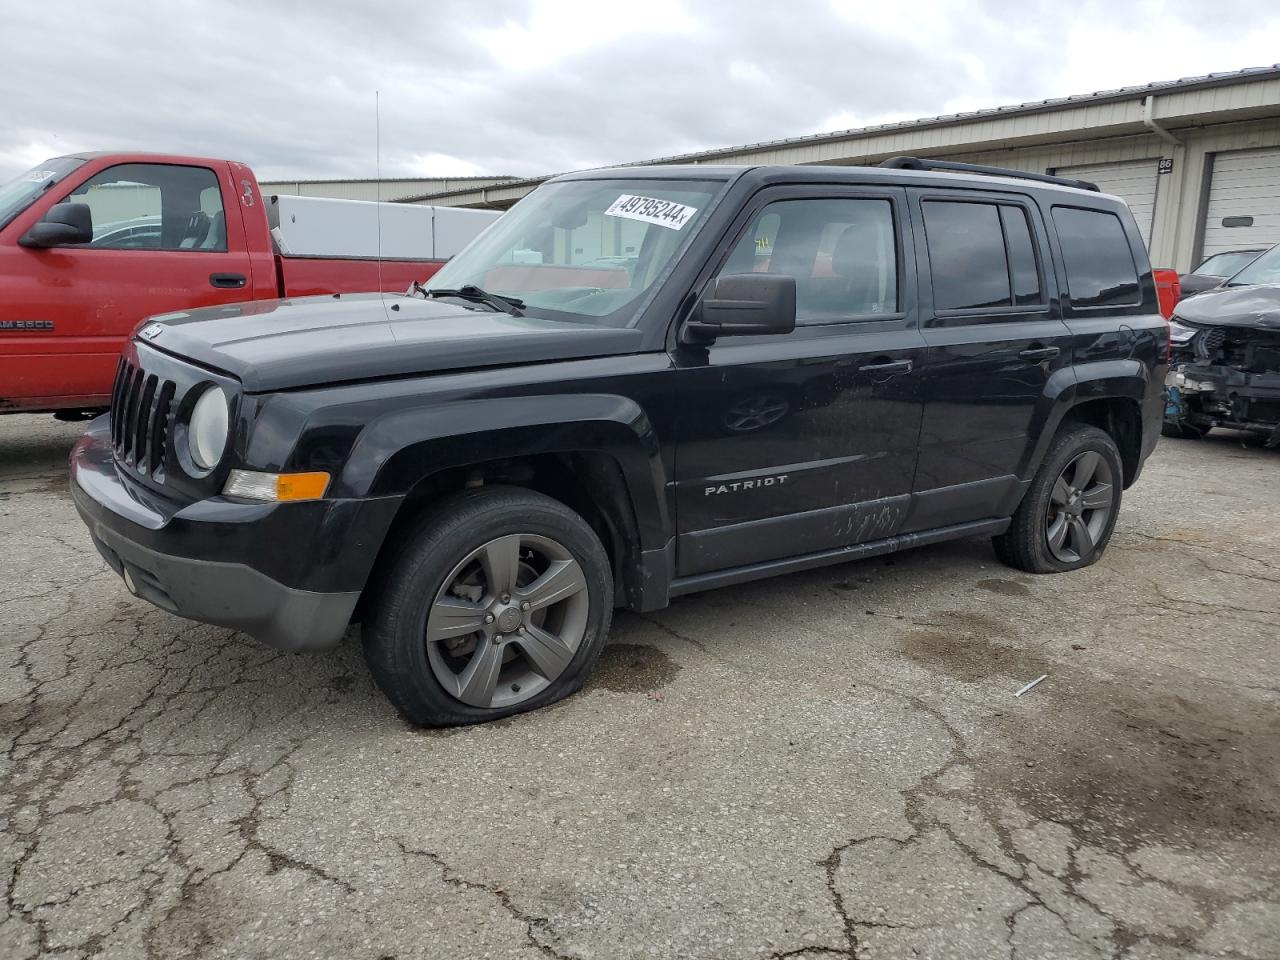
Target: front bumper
pixel 287 574
pixel 1210 395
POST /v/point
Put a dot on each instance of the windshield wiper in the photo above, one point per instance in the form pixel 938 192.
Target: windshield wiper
pixel 470 291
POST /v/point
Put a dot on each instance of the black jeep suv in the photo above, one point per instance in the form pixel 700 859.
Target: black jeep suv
pixel 639 383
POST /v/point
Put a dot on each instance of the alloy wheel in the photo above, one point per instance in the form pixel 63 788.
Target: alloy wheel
pixel 1080 507
pixel 507 621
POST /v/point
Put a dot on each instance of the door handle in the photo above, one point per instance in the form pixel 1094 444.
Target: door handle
pixel 894 366
pixel 1040 353
pixel 228 281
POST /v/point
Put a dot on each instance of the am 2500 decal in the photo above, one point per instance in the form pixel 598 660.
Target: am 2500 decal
pixel 22 326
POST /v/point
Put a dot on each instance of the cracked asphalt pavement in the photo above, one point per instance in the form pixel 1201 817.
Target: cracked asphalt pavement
pixel 830 764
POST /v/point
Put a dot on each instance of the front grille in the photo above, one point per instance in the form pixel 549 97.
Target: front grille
pixel 142 406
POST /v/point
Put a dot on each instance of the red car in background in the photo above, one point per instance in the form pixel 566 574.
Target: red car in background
pixel 92 244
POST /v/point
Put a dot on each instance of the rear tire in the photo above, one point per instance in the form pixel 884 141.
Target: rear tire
pixel 496 602
pixel 1067 516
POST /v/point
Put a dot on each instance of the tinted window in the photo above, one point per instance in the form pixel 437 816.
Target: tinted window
pixel 966 255
pixel 1023 269
pixel 1225 264
pixel 1100 267
pixel 842 253
pixel 1265 269
pixel 155 206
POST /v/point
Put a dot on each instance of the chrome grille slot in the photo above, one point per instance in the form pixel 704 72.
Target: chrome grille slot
pixel 160 431
pixel 140 445
pixel 130 418
pixel 142 408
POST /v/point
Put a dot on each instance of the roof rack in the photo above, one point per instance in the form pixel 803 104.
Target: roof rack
pixel 916 163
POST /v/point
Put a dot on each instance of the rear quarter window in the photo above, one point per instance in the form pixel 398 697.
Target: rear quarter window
pixel 1095 250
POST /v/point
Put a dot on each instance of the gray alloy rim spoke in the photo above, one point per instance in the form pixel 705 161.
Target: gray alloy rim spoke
pixel 1086 466
pixel 501 562
pixel 1097 497
pixel 1058 532
pixel 453 617
pixel 546 651
pixel 562 580
pixel 507 621
pixel 1079 508
pixel 476 683
pixel 1081 538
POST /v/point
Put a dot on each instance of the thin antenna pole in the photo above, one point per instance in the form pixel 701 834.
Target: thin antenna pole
pixel 377 166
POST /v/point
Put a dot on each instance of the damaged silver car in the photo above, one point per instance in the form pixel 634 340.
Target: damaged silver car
pixel 1225 356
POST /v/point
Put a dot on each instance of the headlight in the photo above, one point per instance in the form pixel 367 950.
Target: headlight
pixel 207 429
pixel 1180 334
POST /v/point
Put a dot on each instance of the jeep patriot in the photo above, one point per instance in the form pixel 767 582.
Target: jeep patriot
pixel 638 384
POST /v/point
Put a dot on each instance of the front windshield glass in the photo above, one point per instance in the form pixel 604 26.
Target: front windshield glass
pixel 19 193
pixel 583 250
pixel 1225 264
pixel 1266 269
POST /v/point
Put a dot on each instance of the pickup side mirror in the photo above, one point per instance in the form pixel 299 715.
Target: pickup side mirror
pixel 743 304
pixel 65 223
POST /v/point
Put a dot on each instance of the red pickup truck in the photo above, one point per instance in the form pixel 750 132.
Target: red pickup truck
pixel 92 244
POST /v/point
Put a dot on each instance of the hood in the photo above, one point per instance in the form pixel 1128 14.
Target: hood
pixel 280 344
pixel 1256 306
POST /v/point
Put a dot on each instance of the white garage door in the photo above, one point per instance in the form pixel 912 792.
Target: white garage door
pixel 1244 201
pixel 1133 181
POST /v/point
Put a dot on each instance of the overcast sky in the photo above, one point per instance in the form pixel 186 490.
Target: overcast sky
pixel 527 87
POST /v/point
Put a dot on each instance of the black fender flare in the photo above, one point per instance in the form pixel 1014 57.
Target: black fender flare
pixel 398 450
pixel 1068 388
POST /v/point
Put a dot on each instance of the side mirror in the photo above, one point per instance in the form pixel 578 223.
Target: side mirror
pixel 65 223
pixel 741 305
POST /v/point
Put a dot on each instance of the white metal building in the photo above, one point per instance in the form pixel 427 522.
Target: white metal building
pixel 1197 159
pixel 395 189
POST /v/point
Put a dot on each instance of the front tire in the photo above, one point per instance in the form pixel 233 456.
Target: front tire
pixel 1067 516
pixel 496 602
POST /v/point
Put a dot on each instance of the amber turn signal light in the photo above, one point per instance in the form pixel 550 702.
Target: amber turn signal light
pixel 252 485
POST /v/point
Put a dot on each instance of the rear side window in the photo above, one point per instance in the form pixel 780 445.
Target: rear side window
pixel 980 255
pixel 1100 267
pixel 1023 270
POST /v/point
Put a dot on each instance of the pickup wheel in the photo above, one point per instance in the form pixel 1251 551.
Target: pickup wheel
pixel 496 602
pixel 1066 518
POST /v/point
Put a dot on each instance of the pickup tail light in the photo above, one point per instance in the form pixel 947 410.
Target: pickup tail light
pixel 1168 293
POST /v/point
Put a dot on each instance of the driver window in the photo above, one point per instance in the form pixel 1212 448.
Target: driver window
pixel 842 253
pixel 153 206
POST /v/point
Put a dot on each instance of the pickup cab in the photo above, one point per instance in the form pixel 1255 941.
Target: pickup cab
pixel 640 384
pixel 93 243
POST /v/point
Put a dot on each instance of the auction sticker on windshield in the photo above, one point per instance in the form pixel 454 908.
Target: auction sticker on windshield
pixel 665 213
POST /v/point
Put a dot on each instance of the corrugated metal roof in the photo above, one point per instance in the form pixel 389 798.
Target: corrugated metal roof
pixel 1034 106
pixel 1249 74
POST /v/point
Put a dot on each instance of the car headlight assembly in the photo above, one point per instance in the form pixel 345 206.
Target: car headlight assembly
pixel 207 428
pixel 1181 334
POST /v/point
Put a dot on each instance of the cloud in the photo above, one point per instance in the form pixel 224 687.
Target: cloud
pixel 523 87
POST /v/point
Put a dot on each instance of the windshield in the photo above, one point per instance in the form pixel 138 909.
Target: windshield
pixel 1266 269
pixel 20 192
pixel 1225 264
pixel 583 250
